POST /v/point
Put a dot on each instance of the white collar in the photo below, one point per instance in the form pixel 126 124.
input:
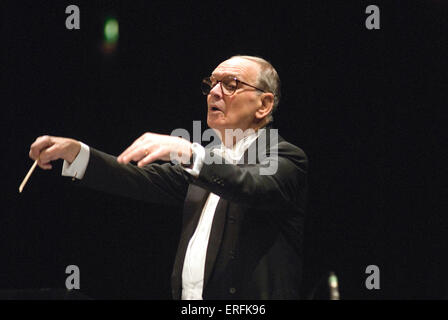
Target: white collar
pixel 235 153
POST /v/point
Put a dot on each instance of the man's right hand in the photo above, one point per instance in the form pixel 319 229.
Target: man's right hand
pixel 48 148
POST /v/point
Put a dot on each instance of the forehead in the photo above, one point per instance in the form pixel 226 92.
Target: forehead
pixel 243 69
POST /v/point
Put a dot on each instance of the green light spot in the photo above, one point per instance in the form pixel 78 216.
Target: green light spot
pixel 111 30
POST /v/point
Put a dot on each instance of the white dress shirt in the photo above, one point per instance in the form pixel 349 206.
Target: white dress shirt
pixel 194 263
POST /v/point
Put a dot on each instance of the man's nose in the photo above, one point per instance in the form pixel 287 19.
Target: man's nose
pixel 216 91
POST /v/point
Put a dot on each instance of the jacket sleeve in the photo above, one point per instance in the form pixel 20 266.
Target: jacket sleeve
pixel 159 183
pixel 283 189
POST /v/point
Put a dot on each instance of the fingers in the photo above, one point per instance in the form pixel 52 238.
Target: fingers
pixel 46 149
pixel 40 144
pixel 36 149
pixel 50 154
pixel 124 156
pixel 150 147
pixel 151 157
pixel 139 152
pixel 45 166
pixel 139 148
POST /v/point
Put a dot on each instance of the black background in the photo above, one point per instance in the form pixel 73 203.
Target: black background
pixel 365 105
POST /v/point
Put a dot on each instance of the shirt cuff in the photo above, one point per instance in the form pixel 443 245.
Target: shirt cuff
pixel 198 159
pixel 78 167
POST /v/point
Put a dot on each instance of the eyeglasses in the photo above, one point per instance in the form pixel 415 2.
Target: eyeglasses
pixel 229 84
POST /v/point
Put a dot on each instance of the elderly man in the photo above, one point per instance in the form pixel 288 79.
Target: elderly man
pixel 242 230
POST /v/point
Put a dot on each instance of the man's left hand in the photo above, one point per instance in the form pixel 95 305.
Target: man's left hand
pixel 152 146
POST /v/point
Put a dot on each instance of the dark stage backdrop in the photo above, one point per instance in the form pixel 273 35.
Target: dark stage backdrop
pixel 365 105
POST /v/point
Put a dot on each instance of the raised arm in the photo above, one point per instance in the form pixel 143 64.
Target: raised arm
pixel 166 183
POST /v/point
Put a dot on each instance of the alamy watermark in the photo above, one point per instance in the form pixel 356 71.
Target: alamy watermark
pixel 373 280
pixel 373 20
pixel 73 20
pixel 73 280
pixel 263 151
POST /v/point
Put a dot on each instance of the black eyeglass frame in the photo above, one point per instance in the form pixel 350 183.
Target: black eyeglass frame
pixel 208 82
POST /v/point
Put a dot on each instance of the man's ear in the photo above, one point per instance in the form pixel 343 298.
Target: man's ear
pixel 267 103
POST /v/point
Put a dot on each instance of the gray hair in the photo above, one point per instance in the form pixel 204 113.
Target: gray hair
pixel 267 80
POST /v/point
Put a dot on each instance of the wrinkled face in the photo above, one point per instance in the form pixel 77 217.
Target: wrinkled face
pixel 237 110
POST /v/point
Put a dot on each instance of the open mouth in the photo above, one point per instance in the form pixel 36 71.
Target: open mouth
pixel 213 108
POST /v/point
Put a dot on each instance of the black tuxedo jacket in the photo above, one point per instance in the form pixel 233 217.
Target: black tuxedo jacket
pixel 255 245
